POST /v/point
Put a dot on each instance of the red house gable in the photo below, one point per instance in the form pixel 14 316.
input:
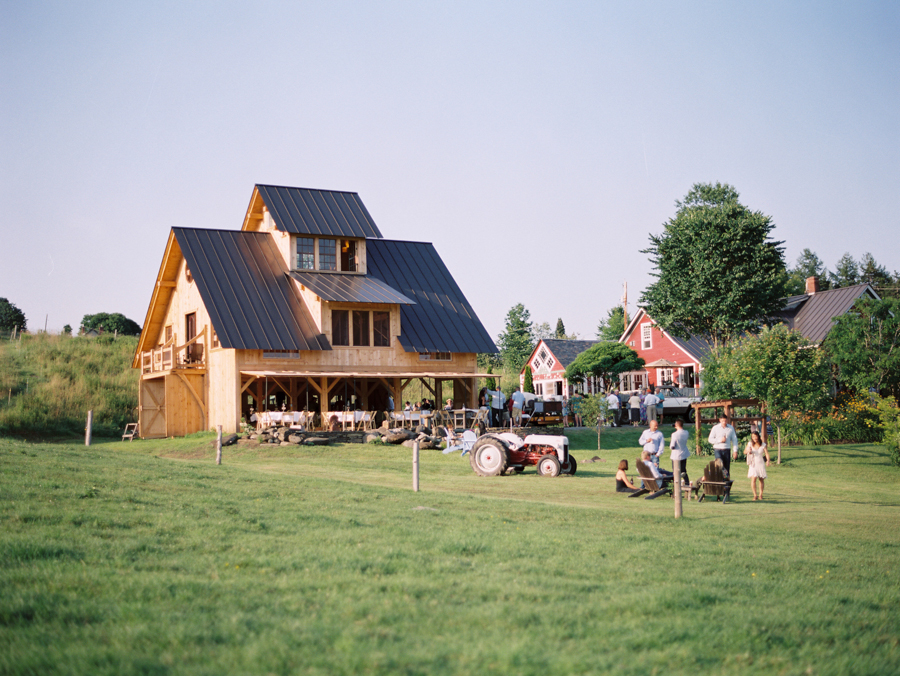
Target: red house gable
pixel 666 358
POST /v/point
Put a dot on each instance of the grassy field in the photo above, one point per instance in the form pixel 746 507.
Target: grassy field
pixel 147 558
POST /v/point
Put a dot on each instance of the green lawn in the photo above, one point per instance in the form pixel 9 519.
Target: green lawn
pixel 147 558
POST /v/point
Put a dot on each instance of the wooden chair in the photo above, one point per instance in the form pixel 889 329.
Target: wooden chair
pixel 655 486
pixel 480 419
pixel 715 483
pixel 130 431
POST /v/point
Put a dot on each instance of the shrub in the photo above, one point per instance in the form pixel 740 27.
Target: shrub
pixel 849 419
pixel 888 413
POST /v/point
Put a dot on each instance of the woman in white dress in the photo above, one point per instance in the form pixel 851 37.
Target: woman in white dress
pixel 758 459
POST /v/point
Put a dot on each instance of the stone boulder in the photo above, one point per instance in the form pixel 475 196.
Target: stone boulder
pixel 316 441
pixel 296 438
pixel 396 436
pixel 372 436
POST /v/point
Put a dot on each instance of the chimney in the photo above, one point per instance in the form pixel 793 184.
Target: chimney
pixel 812 285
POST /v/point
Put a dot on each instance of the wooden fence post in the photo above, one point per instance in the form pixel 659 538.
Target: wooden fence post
pixel 678 494
pixel 87 430
pixel 416 466
pixel 218 444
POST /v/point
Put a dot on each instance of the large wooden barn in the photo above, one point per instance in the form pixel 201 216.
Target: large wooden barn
pixel 307 307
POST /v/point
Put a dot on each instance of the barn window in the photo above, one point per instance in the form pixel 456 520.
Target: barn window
pixel 340 327
pixel 435 356
pixel 381 322
pixel 646 336
pixel 348 255
pixel 306 253
pixel 361 328
pixel 327 254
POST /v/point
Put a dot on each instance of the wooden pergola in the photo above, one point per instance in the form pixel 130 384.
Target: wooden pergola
pixel 728 406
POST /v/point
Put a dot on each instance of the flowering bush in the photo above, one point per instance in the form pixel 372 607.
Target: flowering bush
pixel 888 412
pixel 850 419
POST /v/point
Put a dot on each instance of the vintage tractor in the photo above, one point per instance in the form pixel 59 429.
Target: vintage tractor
pixel 508 453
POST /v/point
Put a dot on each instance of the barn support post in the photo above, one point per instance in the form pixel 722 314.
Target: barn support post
pixel 87 429
pixel 415 466
pixel 218 444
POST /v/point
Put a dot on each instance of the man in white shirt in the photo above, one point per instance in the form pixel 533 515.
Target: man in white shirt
pixel 518 403
pixel 613 403
pixel 650 402
pixel 652 440
pixel 722 437
pixel 680 452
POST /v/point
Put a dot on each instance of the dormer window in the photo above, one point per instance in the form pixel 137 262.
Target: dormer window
pixel 348 255
pixel 328 254
pixel 306 253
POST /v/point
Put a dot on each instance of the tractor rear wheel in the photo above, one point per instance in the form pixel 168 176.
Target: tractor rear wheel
pixel 548 465
pixel 572 466
pixel 489 456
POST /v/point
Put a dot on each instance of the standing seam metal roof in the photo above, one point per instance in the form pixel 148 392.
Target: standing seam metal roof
pixel 816 316
pixel 251 301
pixel 442 320
pixel 347 288
pixel 318 212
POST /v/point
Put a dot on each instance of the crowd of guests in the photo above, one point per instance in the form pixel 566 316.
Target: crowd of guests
pixel 725 448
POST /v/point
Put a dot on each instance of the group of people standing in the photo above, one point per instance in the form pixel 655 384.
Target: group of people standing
pixel 646 405
pixel 725 447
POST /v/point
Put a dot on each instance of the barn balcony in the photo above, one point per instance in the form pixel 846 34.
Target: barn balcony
pixel 191 356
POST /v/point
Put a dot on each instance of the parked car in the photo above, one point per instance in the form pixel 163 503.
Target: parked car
pixel 675 403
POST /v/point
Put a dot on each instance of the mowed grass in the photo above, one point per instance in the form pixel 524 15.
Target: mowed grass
pixel 147 558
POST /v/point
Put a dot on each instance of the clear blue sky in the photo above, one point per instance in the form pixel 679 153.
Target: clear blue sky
pixel 536 144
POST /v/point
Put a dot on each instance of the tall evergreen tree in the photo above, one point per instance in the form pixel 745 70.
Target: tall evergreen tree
pixel 560 329
pixel 719 273
pixel 808 265
pixel 846 272
pixel 528 385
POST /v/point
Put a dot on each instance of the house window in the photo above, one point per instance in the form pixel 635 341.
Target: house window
pixel 381 323
pixel 361 328
pixel 168 333
pixel 543 354
pixel 340 327
pixel 306 253
pixel 348 255
pixel 280 354
pixel 215 339
pixel 327 254
pixel 536 363
pixel 435 356
pixel 646 340
pixel 550 363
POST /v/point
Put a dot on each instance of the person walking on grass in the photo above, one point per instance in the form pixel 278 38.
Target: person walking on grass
pixel 680 452
pixel 722 437
pixel 634 404
pixel 650 403
pixel 612 405
pixel 757 459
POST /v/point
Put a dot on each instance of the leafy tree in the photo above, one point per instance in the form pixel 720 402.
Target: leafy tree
pixel 516 342
pixel 593 409
pixel 778 366
pixel 604 360
pixel 613 326
pixel 490 383
pixel 110 323
pixel 528 385
pixel 719 273
pixel 846 272
pixel 67 330
pixel 560 329
pixel 808 265
pixel 10 317
pixel 865 346
pixel 541 332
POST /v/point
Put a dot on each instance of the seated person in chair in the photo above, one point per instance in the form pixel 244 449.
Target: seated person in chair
pixel 623 484
pixel 728 482
pixel 662 474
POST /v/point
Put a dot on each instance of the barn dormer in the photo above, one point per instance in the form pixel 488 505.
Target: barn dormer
pixel 315 230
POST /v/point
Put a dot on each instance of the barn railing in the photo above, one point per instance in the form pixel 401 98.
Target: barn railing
pixel 169 357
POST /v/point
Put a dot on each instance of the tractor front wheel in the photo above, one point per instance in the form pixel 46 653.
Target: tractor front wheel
pixel 572 466
pixel 489 456
pixel 548 465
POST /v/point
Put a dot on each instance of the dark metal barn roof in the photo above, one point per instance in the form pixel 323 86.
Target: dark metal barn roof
pixel 816 316
pixel 350 288
pixel 252 303
pixel 442 319
pixel 318 212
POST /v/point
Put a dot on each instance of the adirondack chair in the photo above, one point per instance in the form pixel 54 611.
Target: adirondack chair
pixel 480 419
pixel 130 431
pixel 459 442
pixel 715 483
pixel 655 486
